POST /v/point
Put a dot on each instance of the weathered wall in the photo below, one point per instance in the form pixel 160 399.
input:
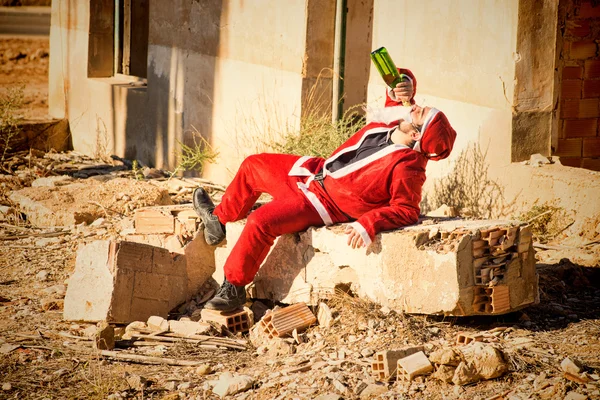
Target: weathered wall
pixel 237 73
pixel 97 108
pixel 462 53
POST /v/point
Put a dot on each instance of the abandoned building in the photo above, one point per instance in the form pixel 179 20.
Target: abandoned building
pixel 136 77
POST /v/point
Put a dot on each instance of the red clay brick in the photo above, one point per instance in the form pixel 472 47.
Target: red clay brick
pixel 571 161
pixel 569 148
pixel 569 109
pixel 582 50
pixel 591 88
pixel 585 108
pixel 571 89
pixel 591 163
pixel 591 147
pixel 589 108
pixel 580 28
pixel 574 128
pixel 572 72
pixel 588 11
pixel 592 69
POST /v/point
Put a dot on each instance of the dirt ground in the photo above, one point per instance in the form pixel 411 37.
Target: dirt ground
pixel 54 358
pixel 24 63
pixel 44 357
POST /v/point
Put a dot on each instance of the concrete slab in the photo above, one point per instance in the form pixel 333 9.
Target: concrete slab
pixel 427 268
pixel 124 281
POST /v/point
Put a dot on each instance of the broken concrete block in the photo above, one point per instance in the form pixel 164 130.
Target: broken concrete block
pixel 401 269
pixel 444 373
pixel 123 281
pixel 175 228
pixel 385 363
pixel 104 338
pixel 235 321
pixel 325 315
pixel 158 324
pixel 414 365
pixel 446 356
pixel 188 328
pixel 487 360
pixel 283 321
pixel 464 374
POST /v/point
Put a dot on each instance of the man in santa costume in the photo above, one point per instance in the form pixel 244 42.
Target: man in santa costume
pixel 372 182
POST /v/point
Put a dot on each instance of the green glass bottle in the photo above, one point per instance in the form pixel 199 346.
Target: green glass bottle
pixel 387 69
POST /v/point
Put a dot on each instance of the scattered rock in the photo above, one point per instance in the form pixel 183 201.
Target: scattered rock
pixel 373 390
pixel 105 336
pixel 571 366
pixel 487 360
pixel 329 396
pixel 446 357
pixel 158 324
pixel 575 396
pixel 465 374
pixel 188 327
pixel 204 369
pixel 6 386
pixel 444 373
pixel 136 382
pixel 229 384
pixel 42 275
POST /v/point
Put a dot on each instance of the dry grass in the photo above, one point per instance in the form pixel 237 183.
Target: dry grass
pixel 547 221
pixel 469 189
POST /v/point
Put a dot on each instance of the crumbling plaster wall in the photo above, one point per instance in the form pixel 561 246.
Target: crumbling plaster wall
pixel 462 53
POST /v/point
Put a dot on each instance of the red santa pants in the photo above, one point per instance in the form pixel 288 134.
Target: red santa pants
pixel 290 211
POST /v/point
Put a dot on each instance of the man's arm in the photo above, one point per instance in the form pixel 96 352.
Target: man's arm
pixel 403 210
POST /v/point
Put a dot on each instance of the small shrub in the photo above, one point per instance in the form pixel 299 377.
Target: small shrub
pixel 469 189
pixel 193 157
pixel 10 102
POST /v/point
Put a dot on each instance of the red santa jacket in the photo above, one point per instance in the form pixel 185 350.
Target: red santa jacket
pixel 381 192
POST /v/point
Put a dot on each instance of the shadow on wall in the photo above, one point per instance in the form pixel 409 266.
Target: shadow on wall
pixel 469 189
pixel 182 48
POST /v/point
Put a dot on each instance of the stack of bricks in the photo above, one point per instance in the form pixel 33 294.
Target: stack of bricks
pixel 579 125
pixel 493 255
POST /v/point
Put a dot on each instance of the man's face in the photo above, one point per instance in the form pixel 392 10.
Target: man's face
pixel 418 115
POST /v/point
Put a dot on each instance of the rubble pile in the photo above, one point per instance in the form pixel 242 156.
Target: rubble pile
pixel 339 343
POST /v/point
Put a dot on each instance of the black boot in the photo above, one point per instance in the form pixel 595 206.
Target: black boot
pixel 228 298
pixel 214 230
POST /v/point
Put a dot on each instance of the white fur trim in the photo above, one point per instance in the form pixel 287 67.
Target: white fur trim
pixel 298 170
pixel 359 164
pixel 387 115
pixel 314 200
pixel 363 232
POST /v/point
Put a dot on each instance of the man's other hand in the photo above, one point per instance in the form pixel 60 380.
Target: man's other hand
pixel 403 91
pixel 354 238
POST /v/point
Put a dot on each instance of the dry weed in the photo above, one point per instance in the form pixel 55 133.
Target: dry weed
pixel 469 189
pixel 547 221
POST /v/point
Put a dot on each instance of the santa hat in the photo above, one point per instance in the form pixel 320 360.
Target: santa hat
pixel 437 136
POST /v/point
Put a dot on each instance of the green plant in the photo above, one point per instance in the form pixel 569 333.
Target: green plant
pixel 469 189
pixel 10 102
pixel 193 157
pixel 137 171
